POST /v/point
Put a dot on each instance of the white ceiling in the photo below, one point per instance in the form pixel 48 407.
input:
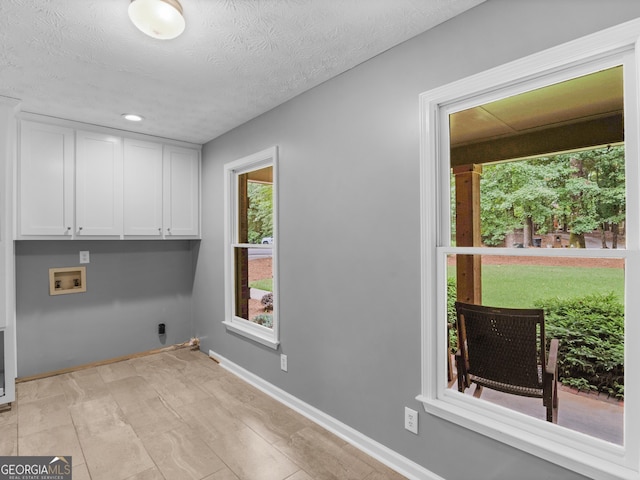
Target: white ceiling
pixel 84 60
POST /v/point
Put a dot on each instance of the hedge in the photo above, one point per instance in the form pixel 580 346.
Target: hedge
pixel 591 334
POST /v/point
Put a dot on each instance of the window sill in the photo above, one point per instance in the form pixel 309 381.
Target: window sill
pixel 586 455
pixel 252 332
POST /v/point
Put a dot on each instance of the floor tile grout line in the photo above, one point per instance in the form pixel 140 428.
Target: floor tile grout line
pixel 75 428
pixel 157 467
pixel 170 407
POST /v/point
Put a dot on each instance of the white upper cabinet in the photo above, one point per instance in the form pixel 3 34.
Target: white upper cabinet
pixel 95 185
pixel 46 180
pixel 181 192
pixel 98 184
pixel 142 188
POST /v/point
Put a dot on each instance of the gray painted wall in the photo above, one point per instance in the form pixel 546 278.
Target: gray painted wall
pixel 349 231
pixel 131 287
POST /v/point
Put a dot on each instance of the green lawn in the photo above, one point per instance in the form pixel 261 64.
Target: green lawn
pixel 263 284
pixel 519 286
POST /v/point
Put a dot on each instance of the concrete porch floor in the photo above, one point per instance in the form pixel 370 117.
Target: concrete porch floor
pixel 591 414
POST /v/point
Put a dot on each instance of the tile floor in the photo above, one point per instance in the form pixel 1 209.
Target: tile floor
pixel 174 415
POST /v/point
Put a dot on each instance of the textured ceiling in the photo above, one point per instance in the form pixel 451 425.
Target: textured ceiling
pixel 84 60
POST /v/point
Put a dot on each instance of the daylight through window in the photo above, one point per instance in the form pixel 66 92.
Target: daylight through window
pixel 251 244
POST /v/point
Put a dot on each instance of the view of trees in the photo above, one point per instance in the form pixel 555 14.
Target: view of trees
pixel 260 212
pixel 577 192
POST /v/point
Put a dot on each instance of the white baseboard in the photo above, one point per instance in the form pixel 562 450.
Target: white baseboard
pixel 390 458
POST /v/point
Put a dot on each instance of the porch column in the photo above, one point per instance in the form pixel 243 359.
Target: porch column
pixel 469 280
pixel 242 254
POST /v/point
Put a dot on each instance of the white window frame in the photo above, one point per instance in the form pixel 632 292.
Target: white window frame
pixel 258 333
pixel 573 450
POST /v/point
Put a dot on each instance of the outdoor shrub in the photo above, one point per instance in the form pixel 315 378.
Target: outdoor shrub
pixel 267 302
pixel 591 334
pixel 264 319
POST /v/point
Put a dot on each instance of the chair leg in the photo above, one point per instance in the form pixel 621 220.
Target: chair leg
pixel 552 404
pixel 461 373
pixel 555 402
pixel 478 391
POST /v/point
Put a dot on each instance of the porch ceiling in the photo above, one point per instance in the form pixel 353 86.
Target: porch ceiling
pixel 576 114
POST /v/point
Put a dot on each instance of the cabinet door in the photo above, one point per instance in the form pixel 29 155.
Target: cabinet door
pixel 98 184
pixel 142 188
pixel 181 191
pixel 45 172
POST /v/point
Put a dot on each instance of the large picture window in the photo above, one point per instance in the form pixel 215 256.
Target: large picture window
pixel 530 252
pixel 250 250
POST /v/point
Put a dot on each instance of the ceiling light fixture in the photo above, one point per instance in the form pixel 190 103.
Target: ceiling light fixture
pixel 160 19
pixel 132 117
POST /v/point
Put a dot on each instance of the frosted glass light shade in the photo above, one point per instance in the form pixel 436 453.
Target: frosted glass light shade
pixel 132 117
pixel 157 18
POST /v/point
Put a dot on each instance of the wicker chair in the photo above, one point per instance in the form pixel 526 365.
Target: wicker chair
pixel 504 349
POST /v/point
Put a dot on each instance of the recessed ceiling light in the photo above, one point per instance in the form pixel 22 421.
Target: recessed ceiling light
pixel 132 117
pixel 160 19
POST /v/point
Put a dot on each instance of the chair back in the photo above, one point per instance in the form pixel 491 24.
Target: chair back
pixel 503 345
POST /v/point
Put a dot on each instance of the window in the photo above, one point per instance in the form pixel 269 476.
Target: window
pixel 536 163
pixel 251 301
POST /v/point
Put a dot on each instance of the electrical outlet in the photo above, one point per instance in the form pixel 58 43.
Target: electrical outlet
pixel 411 420
pixel 283 362
pixel 85 256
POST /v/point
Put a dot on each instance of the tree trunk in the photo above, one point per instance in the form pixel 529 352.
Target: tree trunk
pixel 576 240
pixel 603 237
pixel 614 230
pixel 527 233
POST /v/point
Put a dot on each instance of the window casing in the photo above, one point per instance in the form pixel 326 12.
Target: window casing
pixel 246 312
pixel 574 450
